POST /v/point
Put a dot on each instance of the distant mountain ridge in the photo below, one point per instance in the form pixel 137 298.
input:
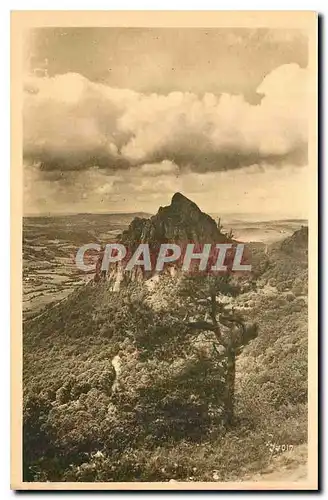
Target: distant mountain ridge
pixel 87 214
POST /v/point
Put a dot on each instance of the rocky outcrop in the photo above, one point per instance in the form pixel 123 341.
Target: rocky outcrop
pixel 181 222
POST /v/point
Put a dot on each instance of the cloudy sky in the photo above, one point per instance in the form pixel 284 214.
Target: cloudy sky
pixel 120 119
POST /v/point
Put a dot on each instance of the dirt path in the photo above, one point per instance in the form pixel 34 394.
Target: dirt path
pixel 288 466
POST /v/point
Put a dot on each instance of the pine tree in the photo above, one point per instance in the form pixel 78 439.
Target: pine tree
pixel 222 326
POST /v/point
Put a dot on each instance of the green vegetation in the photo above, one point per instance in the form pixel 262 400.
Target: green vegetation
pixel 134 385
pixel 191 379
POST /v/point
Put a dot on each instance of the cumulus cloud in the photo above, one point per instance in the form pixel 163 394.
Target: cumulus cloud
pixel 72 124
pixel 165 167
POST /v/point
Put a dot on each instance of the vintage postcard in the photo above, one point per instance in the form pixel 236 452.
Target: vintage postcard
pixel 164 250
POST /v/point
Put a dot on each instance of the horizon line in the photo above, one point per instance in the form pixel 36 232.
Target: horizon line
pixel 271 217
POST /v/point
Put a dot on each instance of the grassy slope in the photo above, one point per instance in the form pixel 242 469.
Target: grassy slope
pixel 79 337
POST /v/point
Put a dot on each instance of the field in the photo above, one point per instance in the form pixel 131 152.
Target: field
pixel 49 249
pixel 263 231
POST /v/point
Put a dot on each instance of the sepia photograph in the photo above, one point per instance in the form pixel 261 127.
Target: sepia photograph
pixel 164 247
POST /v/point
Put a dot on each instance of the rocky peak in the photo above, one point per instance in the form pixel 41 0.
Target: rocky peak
pixel 181 201
pixel 181 221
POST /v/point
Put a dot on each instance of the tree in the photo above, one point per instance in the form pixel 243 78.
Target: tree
pixel 220 226
pixel 222 325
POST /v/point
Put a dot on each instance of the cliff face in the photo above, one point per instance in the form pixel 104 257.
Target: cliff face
pixel 181 222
